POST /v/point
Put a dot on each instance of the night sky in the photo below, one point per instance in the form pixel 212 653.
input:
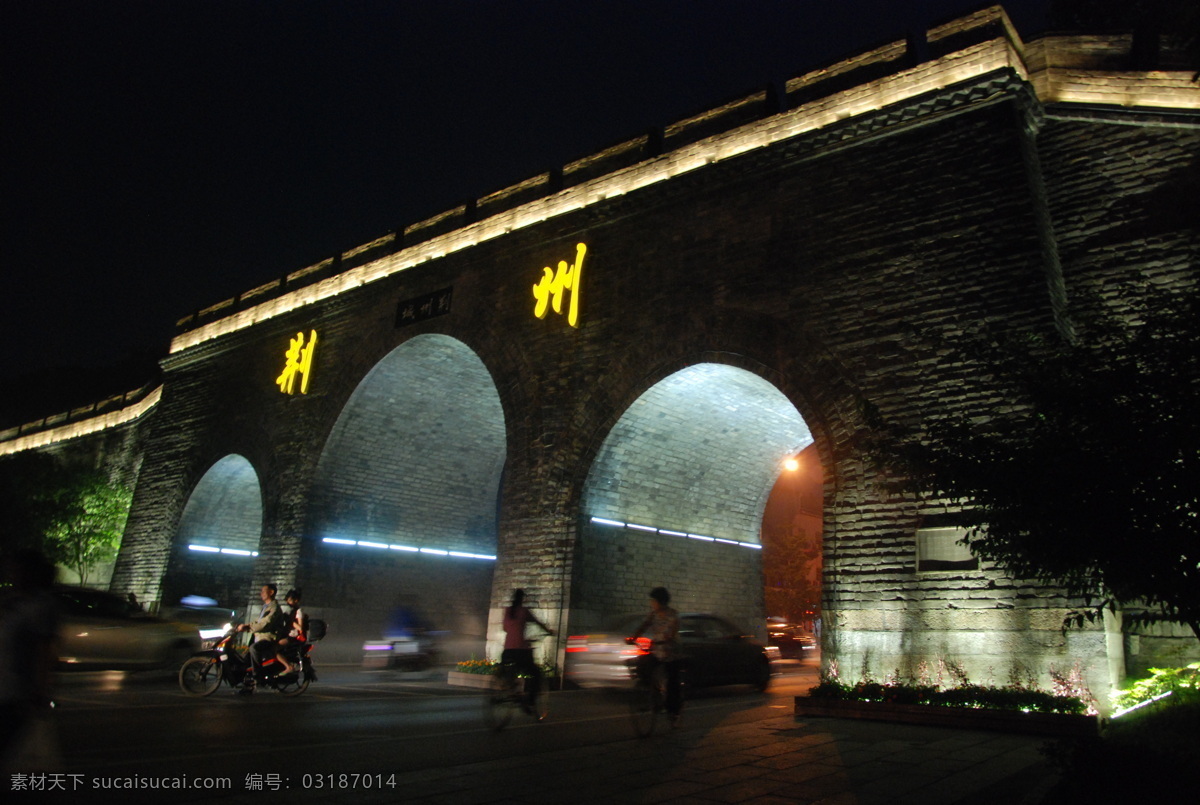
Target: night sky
pixel 161 156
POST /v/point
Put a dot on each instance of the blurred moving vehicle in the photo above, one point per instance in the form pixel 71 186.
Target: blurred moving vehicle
pixel 211 621
pixel 102 631
pixel 793 642
pixel 408 642
pixel 715 653
pixel 412 653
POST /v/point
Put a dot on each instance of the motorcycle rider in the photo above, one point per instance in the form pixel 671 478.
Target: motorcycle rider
pixel 266 630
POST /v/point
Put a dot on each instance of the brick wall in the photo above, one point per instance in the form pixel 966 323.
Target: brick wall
pixel 616 568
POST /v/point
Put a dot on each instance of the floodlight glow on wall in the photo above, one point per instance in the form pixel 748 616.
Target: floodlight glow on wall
pixel 362 543
pixel 666 532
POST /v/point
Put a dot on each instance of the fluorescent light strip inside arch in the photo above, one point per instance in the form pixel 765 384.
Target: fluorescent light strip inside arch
pixel 383 546
pixel 228 551
pixel 666 532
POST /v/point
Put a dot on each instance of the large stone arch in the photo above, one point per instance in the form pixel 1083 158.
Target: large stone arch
pixel 218 535
pixel 403 509
pixel 675 496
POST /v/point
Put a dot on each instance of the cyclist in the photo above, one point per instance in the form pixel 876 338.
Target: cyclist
pixel 518 650
pixel 662 627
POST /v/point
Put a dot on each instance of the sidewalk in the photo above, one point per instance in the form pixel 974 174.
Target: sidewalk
pixel 776 760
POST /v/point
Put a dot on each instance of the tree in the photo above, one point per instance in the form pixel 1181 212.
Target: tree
pixel 75 516
pixel 88 521
pixel 1091 481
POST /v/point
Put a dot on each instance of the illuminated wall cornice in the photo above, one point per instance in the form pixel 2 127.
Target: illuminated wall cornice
pixel 1037 63
pixel 82 427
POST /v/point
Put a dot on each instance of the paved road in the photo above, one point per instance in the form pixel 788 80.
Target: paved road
pixel 416 739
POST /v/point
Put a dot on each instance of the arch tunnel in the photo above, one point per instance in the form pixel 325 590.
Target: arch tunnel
pixel 218 536
pixel 403 513
pixel 676 496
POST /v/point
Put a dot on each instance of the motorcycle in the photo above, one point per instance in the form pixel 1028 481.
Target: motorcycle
pixel 228 662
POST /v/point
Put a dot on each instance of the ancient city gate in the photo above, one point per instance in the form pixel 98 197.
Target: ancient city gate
pixel 585 384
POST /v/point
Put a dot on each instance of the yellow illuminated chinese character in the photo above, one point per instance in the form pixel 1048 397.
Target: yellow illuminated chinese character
pixel 297 361
pixel 549 291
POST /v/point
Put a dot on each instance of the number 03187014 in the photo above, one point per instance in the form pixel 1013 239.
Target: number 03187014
pixel 348 781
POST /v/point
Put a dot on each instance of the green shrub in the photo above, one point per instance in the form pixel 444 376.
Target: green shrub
pixel 1182 683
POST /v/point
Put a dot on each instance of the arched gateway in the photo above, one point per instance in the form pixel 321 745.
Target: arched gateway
pixel 584 384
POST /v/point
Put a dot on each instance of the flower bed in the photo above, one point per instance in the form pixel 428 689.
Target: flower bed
pixel 478 674
pixel 478 667
pixel 1018 707
pixel 976 697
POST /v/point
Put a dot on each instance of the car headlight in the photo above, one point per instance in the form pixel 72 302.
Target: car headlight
pixel 213 634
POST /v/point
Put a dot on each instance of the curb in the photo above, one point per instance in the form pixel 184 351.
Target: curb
pixel 1055 724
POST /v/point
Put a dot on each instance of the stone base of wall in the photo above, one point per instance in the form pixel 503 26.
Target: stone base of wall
pixel 1163 645
pixel 992 647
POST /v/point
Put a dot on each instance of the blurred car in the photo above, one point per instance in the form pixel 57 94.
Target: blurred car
pixel 715 653
pixel 102 631
pixel 793 642
pixel 408 641
pixel 413 653
pixel 210 621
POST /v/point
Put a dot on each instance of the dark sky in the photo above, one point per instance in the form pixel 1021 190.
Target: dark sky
pixel 162 156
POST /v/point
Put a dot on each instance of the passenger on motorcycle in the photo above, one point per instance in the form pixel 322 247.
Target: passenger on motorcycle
pixel 297 630
pixel 266 630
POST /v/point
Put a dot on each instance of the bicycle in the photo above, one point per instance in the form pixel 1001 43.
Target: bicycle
pixel 648 696
pixel 506 696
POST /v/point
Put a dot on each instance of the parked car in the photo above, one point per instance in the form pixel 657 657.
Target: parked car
pixel 793 642
pixel 715 653
pixel 102 631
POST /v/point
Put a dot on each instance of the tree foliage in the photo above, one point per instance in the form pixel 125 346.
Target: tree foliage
pixel 75 516
pixel 1091 480
pixel 87 523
